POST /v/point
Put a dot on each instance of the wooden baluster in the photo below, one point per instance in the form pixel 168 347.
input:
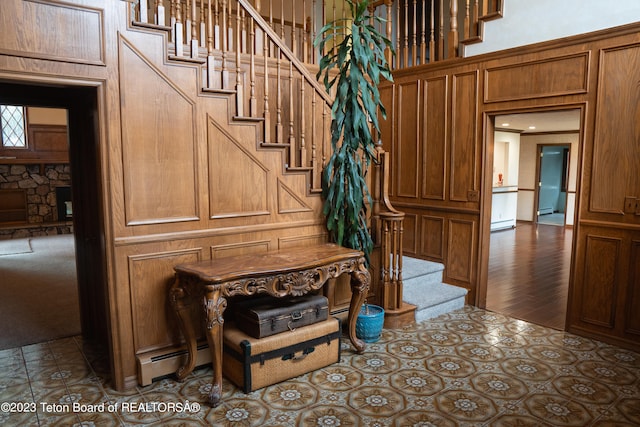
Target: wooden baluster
pixel 179 47
pixel 253 103
pixel 303 147
pixel 292 138
pixel 224 70
pixel 304 32
pixel 187 22
pixel 405 46
pixel 325 118
pixel 414 41
pixel 279 127
pixel 398 50
pixel 266 113
pixel 143 11
pixel 243 34
pixel 230 38
pixel 314 160
pixel 371 9
pixel 334 17
pixel 159 16
pixel 294 48
pixel 314 10
pixel 386 280
pixel 467 21
pixel 344 16
pixel 389 32
pixel 260 39
pixel 216 26
pixel 195 44
pixel 203 26
pixel 441 31
pixel 485 7
pixel 308 44
pixel 475 17
pixel 211 65
pixel 453 30
pixel 239 84
pixel 432 34
pixel 172 20
pixel 423 40
pixel 271 46
pixel 398 252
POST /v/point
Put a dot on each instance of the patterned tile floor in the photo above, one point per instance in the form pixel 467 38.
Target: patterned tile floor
pixel 470 367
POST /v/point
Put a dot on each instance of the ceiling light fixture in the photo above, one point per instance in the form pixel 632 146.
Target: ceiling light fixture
pixel 505 124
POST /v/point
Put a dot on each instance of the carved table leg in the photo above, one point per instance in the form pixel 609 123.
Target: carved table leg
pixel 360 279
pixel 214 308
pixel 180 300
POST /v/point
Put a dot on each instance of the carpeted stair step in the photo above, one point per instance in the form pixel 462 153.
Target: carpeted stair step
pixel 423 287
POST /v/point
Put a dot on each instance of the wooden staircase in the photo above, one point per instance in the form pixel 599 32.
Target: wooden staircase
pixel 261 63
pixel 270 90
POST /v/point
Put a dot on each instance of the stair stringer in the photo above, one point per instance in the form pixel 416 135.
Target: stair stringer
pixel 285 195
pixel 308 158
pixel 482 21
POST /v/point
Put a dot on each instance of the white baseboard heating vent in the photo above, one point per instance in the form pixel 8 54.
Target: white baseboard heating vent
pixel 546 211
pixel 157 364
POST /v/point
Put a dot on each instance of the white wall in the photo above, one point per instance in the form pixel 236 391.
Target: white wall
pixel 506 158
pixel 506 161
pixel 532 21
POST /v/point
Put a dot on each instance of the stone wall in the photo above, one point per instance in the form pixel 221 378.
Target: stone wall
pixel 39 183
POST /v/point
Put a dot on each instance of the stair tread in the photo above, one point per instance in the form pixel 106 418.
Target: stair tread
pixel 424 295
pixel 151 26
pixel 218 91
pixel 414 267
pixel 248 119
pixel 182 58
pixel 275 144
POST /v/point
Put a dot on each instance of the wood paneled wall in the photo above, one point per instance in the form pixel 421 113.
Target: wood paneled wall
pixel 179 180
pixel 441 141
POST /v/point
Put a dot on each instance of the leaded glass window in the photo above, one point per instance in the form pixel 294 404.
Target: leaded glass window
pixel 12 119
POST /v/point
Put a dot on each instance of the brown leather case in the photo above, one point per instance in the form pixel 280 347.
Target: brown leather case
pixel 271 316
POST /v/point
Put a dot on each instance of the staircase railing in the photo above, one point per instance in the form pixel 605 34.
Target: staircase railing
pixel 421 31
pixel 243 56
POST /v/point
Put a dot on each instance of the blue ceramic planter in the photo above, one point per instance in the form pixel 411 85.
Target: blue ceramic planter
pixel 369 323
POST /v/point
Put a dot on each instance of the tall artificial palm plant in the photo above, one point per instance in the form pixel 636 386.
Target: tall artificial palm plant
pixel 352 66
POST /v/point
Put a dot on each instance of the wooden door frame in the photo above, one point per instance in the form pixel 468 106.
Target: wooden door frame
pixel 536 196
pixel 488 131
pixel 81 100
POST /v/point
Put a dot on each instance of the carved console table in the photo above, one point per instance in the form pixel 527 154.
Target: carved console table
pixel 293 272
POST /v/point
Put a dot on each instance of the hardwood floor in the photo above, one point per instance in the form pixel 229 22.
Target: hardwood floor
pixel 529 273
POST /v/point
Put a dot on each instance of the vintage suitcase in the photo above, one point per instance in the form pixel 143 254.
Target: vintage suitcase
pixel 253 363
pixel 274 315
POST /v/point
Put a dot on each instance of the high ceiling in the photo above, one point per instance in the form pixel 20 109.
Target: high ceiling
pixel 553 121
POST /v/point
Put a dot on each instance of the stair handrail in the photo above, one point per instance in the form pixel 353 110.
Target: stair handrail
pixel 275 38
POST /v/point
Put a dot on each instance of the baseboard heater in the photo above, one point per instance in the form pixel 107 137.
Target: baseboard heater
pixel 157 364
pixel 545 211
pixel 503 224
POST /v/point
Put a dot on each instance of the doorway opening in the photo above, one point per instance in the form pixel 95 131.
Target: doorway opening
pixel 529 260
pixel 85 211
pixel 553 184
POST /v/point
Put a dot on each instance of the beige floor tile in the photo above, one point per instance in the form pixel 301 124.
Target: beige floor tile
pixel 468 368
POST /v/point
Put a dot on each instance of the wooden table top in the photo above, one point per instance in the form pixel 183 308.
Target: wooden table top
pixel 219 270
